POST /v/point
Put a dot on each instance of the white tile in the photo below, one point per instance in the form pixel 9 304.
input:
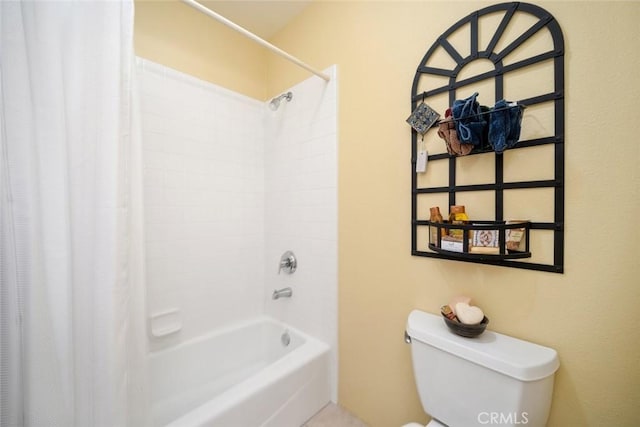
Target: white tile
pixel 167 215
pixel 153 123
pixel 230 187
pixel 154 195
pixel 154 141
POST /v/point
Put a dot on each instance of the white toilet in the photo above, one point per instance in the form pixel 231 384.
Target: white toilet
pixel 490 380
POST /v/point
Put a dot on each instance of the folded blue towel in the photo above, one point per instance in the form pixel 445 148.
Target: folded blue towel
pixel 504 125
pixel 469 120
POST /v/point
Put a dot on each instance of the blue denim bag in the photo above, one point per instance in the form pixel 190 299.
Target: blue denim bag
pixel 469 118
pixel 504 125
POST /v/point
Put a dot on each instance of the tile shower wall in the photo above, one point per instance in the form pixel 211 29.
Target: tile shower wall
pixel 230 185
pixel 301 209
pixel 204 202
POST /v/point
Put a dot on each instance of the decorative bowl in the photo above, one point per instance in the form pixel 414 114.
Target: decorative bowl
pixel 468 331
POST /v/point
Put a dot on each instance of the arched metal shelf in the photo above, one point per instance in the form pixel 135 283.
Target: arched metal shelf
pixel 541 20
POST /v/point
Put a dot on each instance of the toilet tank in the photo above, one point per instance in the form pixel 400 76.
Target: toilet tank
pixel 489 380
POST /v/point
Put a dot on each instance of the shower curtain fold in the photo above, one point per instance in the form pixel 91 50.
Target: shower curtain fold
pixel 72 341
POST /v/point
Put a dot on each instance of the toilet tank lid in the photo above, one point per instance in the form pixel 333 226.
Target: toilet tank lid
pixel 516 358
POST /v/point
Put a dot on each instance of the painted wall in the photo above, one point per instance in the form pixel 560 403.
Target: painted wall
pixel 588 314
pixel 171 33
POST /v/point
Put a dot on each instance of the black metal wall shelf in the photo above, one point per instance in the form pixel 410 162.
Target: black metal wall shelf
pixel 540 20
pixel 500 227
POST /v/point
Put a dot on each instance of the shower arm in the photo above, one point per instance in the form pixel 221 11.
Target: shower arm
pixel 194 4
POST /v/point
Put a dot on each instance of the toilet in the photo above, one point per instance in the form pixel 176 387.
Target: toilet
pixel 490 380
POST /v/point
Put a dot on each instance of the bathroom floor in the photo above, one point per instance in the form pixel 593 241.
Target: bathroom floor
pixel 334 415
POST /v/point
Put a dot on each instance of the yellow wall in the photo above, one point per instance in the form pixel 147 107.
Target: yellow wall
pixel 588 314
pixel 173 34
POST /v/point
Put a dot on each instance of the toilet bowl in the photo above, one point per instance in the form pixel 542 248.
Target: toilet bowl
pixel 472 381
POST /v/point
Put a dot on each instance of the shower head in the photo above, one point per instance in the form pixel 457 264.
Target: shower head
pixel 275 102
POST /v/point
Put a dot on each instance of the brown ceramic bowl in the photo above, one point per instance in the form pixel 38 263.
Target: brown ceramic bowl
pixel 468 331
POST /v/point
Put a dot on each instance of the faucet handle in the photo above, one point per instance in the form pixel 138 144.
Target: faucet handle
pixel 288 263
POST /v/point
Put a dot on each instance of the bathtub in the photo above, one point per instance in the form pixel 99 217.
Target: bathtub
pixel 258 373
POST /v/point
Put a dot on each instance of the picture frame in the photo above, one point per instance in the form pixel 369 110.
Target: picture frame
pixel 485 241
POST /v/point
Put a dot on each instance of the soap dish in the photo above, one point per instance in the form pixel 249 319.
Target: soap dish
pixel 468 331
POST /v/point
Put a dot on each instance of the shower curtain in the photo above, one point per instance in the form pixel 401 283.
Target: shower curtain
pixel 72 341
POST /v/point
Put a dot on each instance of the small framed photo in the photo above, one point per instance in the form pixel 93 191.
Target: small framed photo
pixel 485 241
pixel 516 238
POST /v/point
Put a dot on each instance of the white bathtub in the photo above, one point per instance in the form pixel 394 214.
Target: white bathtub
pixel 242 376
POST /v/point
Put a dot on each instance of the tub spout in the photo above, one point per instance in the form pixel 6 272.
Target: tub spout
pixel 282 293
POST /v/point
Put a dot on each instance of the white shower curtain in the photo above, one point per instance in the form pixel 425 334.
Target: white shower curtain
pixel 72 341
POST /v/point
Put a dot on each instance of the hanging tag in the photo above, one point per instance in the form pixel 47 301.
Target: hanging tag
pixel 421 161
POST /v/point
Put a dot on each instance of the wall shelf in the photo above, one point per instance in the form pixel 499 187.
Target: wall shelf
pixel 500 228
pixel 432 81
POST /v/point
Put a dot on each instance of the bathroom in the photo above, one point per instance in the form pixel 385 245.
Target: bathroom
pixel 586 313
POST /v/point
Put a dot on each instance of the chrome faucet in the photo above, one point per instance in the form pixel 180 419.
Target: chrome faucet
pixel 282 293
pixel 288 263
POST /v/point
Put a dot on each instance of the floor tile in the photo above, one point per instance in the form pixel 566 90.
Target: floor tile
pixel 334 415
